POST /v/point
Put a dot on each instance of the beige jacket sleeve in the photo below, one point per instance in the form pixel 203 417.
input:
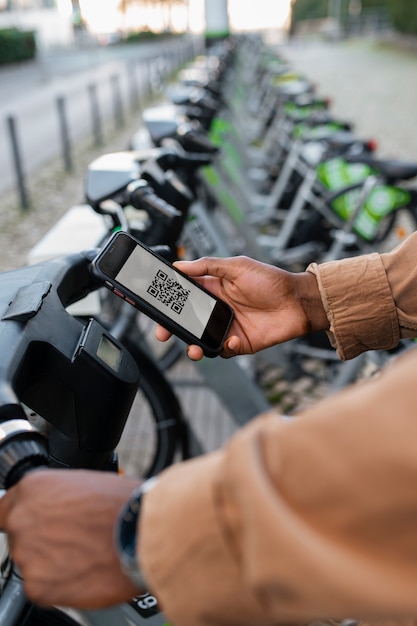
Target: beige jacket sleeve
pixel 292 521
pixel 370 300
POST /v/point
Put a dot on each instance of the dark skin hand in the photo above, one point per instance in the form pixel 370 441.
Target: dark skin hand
pixel 270 304
pixel 60 526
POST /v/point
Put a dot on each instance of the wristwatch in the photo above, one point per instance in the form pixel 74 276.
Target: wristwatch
pixel 126 535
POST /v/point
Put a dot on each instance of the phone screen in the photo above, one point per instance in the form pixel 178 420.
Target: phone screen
pixel 145 280
pixel 167 290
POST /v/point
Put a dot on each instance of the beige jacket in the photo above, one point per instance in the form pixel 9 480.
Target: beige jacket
pixel 314 517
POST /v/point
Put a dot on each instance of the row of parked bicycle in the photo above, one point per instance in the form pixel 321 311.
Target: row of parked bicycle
pixel 243 157
pixel 287 183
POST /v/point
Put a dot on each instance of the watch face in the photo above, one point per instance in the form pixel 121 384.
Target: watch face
pixel 128 539
pixel 127 535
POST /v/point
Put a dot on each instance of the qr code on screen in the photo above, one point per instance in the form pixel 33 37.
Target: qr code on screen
pixel 168 291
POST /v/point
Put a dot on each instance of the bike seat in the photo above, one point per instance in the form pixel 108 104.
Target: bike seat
pixel 342 139
pixel 315 117
pixel 391 169
pixel 161 121
pixel 294 88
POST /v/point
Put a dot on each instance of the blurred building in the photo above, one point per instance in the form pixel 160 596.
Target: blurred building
pixel 51 19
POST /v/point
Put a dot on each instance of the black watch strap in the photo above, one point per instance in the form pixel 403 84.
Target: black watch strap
pixel 127 535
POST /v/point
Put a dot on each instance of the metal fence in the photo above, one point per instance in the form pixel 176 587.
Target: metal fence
pixel 47 125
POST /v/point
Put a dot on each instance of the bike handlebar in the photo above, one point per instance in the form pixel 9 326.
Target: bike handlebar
pixel 110 174
pixel 22 449
pixel 142 196
pixel 185 150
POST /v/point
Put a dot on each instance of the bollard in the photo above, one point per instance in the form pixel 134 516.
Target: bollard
pixel 24 200
pixel 133 85
pixel 63 125
pixel 147 66
pixel 95 114
pixel 117 101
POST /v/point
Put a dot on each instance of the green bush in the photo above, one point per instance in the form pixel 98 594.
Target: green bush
pixel 16 45
pixel 146 35
pixel 403 13
pixel 404 16
pixel 309 9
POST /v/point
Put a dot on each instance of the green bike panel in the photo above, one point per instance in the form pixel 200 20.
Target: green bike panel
pixel 337 173
pixel 302 130
pixel 214 182
pixel 294 110
pixel 382 200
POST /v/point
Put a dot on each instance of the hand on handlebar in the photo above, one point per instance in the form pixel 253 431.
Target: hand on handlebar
pixel 271 305
pixel 60 526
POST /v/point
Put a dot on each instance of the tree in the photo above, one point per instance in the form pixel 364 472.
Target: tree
pixel 404 15
pixel 309 9
pixel 401 13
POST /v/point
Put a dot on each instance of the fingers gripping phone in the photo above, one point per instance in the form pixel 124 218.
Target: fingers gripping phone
pixel 151 284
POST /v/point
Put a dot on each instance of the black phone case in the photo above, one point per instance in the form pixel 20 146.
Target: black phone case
pixel 140 304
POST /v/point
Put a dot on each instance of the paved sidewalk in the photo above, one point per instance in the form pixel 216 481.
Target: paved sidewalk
pixel 373 85
pixel 61 63
pixel 79 89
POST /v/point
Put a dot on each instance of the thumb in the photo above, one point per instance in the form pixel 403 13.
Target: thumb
pixel 231 347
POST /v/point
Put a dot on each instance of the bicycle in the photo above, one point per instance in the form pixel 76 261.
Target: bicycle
pixel 341 237
pixel 325 173
pixel 231 380
pixel 66 391
pixel 157 423
pixel 114 189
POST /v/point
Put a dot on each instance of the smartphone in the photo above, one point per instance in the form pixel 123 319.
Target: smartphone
pixel 151 284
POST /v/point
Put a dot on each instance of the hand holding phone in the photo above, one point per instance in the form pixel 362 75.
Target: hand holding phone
pixel 147 281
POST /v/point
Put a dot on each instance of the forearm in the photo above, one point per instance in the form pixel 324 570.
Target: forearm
pixel 359 306
pixel 370 300
pixel 295 521
pixel 401 269
pixel 308 295
pixel 186 557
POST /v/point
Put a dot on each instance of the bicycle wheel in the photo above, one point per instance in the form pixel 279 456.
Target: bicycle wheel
pixel 396 227
pixel 155 434
pixel 366 365
pixel 166 354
